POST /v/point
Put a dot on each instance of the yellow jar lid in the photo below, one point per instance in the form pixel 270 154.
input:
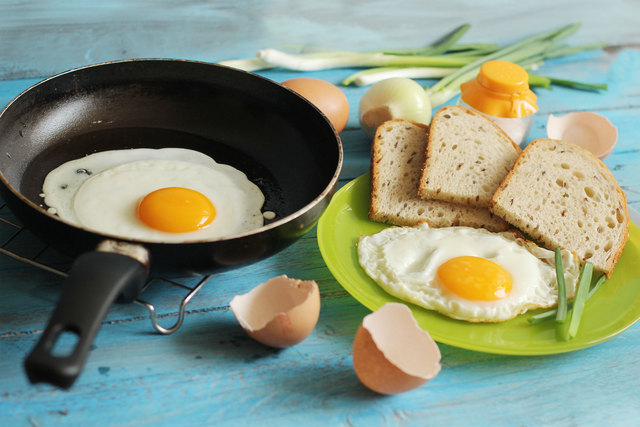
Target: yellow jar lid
pixel 501 89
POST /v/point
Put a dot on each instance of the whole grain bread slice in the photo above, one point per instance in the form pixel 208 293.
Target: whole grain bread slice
pixel 468 156
pixel 563 196
pixel 396 161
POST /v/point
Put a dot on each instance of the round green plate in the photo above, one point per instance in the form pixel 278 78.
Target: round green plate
pixel 610 311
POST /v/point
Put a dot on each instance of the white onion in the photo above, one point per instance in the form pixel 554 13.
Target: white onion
pixel 394 98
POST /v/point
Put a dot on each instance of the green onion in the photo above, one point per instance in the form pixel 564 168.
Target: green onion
pixel 541 317
pixel 251 64
pixel 546 82
pixel 539 81
pixel 551 313
pixel 581 297
pixel 476 49
pixel 374 75
pixel 449 86
pixel 561 314
pixel 452 62
pixel 440 46
pixel 564 50
pixel 305 62
pixel 486 47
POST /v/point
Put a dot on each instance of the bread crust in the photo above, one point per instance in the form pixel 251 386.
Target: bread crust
pixel 394 186
pixel 498 206
pixel 375 158
pixel 468 188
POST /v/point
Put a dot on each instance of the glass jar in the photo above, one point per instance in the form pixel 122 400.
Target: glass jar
pixel 501 92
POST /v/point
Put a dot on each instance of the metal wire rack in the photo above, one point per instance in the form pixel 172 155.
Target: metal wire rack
pixel 11 231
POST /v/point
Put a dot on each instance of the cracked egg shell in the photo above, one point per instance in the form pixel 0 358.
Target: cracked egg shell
pixel 589 130
pixel 391 353
pixel 280 312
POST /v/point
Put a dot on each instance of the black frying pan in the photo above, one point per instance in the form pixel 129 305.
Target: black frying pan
pixel 281 141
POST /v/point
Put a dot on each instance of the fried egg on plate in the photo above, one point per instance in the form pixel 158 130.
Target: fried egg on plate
pixel 164 195
pixel 465 273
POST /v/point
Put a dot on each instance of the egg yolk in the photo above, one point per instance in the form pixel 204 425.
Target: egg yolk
pixel 475 278
pixel 176 210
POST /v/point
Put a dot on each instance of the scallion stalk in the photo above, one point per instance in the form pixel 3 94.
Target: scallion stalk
pixel 539 81
pixel 478 47
pixel 459 62
pixel 250 64
pixel 356 60
pixel 568 83
pixel 551 313
pixel 581 297
pixel 561 314
pixel 449 86
pixel 373 75
pixel 570 50
pixel 437 48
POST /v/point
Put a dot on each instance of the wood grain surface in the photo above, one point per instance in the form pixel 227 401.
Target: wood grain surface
pixel 210 372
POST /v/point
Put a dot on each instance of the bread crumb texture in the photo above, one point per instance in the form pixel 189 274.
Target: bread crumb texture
pixel 468 156
pixel 562 196
pixel 397 159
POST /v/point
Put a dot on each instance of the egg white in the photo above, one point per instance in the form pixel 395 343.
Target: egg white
pixel 62 183
pixel 100 192
pixel 404 262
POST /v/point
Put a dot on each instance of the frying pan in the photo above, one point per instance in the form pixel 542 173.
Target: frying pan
pixel 279 140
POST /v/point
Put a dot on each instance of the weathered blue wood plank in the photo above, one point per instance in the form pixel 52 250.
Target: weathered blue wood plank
pixel 209 372
pixel 41 37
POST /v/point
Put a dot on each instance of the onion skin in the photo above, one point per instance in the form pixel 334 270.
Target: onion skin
pixel 394 98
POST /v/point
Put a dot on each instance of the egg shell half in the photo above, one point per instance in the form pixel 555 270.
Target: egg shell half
pixel 589 130
pixel 280 312
pixel 326 96
pixel 391 353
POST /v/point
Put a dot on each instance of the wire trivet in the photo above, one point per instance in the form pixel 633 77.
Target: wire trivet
pixel 10 231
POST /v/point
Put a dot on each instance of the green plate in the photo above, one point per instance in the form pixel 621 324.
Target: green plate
pixel 610 311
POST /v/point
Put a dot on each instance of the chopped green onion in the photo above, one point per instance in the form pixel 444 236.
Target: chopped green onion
pixel 561 314
pixel 551 313
pixel 541 317
pixel 581 297
pixel 595 287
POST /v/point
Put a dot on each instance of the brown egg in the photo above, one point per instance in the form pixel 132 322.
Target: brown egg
pixel 391 354
pixel 280 312
pixel 327 97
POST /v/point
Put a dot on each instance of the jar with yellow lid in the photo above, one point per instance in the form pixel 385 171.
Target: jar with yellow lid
pixel 501 92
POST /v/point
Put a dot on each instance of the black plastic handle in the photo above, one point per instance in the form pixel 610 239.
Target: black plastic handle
pixel 95 281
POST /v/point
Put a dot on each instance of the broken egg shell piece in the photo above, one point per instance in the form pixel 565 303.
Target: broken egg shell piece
pixel 589 130
pixel 391 353
pixel 280 312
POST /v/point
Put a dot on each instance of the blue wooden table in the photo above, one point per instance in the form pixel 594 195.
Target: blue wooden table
pixel 210 372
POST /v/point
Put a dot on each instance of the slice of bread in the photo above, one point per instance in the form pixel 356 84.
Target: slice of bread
pixel 562 196
pixel 468 156
pixel 396 161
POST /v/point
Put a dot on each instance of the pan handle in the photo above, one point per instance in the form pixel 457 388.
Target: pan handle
pixel 95 281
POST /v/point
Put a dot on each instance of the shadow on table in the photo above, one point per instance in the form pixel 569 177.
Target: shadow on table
pixel 320 366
